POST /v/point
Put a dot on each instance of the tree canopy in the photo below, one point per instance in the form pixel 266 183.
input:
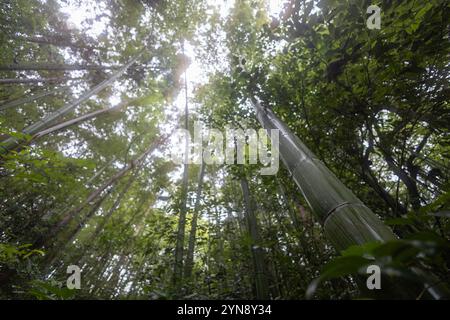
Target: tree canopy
pixel 91 93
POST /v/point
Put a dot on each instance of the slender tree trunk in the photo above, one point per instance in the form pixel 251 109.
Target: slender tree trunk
pixel 262 287
pixel 11 143
pixel 68 216
pixel 221 270
pixel 31 98
pixel 82 260
pixel 56 40
pixel 232 232
pixel 105 219
pixel 91 242
pixel 300 226
pixel 124 279
pixel 123 265
pixel 271 269
pixel 99 172
pixel 285 200
pixel 193 232
pixel 179 247
pixel 38 80
pixel 115 273
pixel 69 123
pixel 370 178
pixel 410 184
pixel 59 245
pixel 99 228
pixel 53 67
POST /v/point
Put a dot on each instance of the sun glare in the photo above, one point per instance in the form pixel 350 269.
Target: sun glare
pixel 275 7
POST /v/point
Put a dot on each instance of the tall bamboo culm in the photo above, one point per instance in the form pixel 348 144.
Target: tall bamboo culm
pixel 346 219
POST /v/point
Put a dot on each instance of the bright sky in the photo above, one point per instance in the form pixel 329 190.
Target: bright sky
pixel 275 7
pixel 79 12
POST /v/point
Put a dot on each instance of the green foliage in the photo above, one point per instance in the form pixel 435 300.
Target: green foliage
pixel 395 259
pixel 11 255
pixel 20 263
pixel 42 290
pixel 372 105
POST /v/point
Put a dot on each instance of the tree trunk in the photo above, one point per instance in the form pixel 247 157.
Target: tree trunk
pixel 11 142
pixel 82 259
pixel 38 80
pixel 179 247
pixel 105 219
pixel 53 67
pixel 30 98
pixel 193 232
pixel 54 252
pixel 61 41
pixel 68 216
pixel 262 287
pixel 113 208
pixel 99 172
pixel 69 123
pixel 346 220
pixel 410 184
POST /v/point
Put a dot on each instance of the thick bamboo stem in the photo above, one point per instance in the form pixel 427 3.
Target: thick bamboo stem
pixel 345 219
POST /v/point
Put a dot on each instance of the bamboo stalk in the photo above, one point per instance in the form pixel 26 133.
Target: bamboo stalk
pixel 30 98
pixel 37 80
pixel 53 67
pixel 77 120
pixel 11 142
pixel 193 232
pixel 94 195
pixel 56 40
pixel 345 219
pixel 179 247
pixel 262 286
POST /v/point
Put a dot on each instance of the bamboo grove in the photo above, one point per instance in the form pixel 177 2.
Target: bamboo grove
pixel 91 93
